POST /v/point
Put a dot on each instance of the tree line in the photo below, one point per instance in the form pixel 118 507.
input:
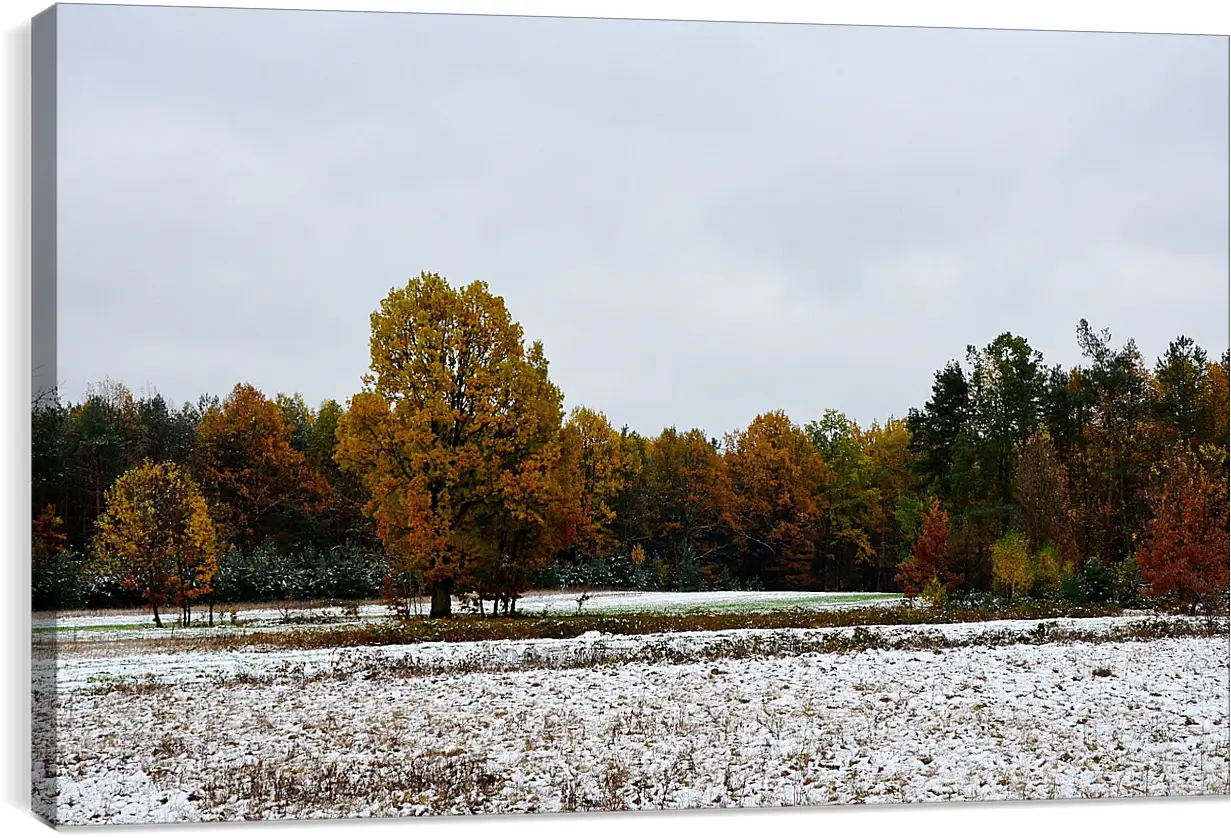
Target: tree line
pixel 456 470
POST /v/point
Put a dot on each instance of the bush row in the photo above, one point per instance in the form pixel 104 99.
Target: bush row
pixel 65 580
pixel 680 573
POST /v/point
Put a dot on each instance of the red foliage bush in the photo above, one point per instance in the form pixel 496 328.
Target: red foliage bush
pixel 930 556
pixel 1185 554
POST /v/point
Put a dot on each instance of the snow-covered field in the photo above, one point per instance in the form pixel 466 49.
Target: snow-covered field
pixel 749 718
pixel 625 601
pixel 85 671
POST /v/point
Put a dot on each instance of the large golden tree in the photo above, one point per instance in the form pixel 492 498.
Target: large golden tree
pixel 456 437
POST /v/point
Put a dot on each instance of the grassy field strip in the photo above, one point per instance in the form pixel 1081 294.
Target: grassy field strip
pixel 971 723
pixel 111 627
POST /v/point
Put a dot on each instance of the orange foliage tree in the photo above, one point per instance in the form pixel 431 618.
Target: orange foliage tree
pixel 1185 554
pixel 687 494
pixel 48 532
pixel 1214 405
pixel 778 479
pixel 258 482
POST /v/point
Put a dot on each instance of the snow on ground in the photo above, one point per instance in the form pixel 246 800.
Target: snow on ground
pixel 111 626
pixel 619 601
pixel 968 723
pixel 83 671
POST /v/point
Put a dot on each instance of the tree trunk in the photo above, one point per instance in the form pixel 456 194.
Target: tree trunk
pixel 442 602
pixel 211 612
pixel 157 621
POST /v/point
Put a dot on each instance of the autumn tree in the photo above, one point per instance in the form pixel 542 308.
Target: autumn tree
pixel 1012 568
pixel 846 543
pixel 251 471
pixel 602 472
pixel 157 537
pixel 534 512
pixel 930 558
pixel 778 479
pixel 687 496
pixel 1184 555
pixel 889 464
pixel 533 519
pixel 48 531
pixel 1214 404
pixel 455 432
pixel 1041 511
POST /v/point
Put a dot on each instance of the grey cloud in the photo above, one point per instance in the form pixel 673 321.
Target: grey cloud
pixel 701 221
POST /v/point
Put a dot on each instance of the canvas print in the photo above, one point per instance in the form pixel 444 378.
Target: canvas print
pixel 454 414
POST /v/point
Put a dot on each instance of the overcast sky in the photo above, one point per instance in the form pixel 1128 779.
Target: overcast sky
pixel 701 221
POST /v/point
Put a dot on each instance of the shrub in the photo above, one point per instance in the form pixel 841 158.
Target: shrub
pixel 341 572
pixel 974 600
pixel 57 579
pixel 1072 589
pixel 1128 584
pixel 548 576
pixel 1098 581
pixel 1012 574
pixel 1090 583
pixel 1048 569
pixel 934 593
pixel 687 575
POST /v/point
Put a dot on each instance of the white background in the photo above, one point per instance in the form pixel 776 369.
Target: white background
pixel 1152 817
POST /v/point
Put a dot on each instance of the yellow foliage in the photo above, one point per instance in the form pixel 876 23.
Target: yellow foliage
pixel 49 531
pixel 1012 573
pixel 638 557
pixel 601 473
pixel 157 536
pixel 934 593
pixel 1049 567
